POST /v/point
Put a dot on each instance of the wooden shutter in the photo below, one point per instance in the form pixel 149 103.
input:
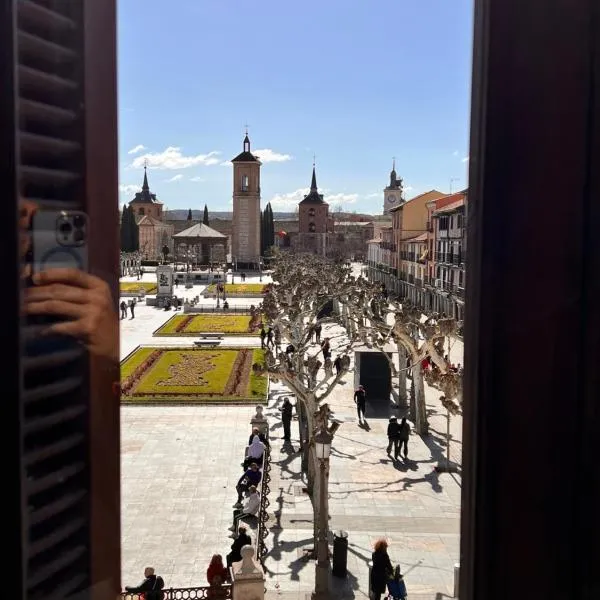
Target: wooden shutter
pixel 61 133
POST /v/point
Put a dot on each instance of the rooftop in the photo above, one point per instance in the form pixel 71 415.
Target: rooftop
pixel 200 230
pixel 416 198
pixel 451 207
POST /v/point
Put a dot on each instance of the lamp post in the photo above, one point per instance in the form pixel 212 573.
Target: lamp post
pixel 322 449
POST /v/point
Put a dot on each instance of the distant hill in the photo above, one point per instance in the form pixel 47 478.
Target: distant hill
pixel 181 215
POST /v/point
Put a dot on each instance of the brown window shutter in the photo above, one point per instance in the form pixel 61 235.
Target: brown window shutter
pixel 59 461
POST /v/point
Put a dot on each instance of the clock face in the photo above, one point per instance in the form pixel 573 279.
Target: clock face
pixel 391 199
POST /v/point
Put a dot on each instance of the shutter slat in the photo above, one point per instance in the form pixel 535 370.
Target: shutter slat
pixel 52 389
pixel 58 535
pixel 36 424
pixel 38 111
pixel 31 79
pixel 33 14
pixel 39 454
pixel 55 508
pixel 48 176
pixel 53 566
pixel 34 45
pixel 57 359
pixel 31 142
pixel 72 584
pixel 35 486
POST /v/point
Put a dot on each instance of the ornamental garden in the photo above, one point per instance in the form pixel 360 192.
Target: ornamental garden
pixel 240 290
pixel 151 375
pixel 135 287
pixel 193 325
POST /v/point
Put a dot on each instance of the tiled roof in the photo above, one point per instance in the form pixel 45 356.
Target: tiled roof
pixel 245 157
pixel 451 207
pixel 147 220
pixel 415 198
pixel 200 230
pixel 420 238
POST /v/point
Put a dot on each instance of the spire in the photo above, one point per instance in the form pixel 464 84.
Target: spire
pixel 145 186
pixel 313 183
pixel 246 141
pixel 393 176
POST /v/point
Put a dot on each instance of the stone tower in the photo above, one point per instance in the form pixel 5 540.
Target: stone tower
pixel 245 238
pixel 392 194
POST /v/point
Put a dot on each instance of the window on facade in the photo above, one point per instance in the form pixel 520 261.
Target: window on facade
pixel 140 211
pixel 312 227
pixel 311 212
pixel 245 183
pixel 459 221
pixel 444 223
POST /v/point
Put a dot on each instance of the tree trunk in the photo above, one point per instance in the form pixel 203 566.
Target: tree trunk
pixel 420 417
pixel 402 399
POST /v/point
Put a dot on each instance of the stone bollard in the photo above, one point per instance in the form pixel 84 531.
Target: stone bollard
pixel 260 421
pixel 247 576
pixel 456 579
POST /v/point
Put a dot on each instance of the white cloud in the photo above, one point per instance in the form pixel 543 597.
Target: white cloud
pixel 129 189
pixel 137 149
pixel 196 179
pixel 408 188
pixel 173 158
pixel 341 198
pixel 289 199
pixel 465 159
pixel 374 195
pixel 455 153
pixel 225 163
pixel 267 155
pixel 175 178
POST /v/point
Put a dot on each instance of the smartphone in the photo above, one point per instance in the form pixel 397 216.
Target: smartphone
pixel 59 239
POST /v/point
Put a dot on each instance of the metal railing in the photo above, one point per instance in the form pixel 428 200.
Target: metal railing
pixel 262 531
pixel 200 308
pixel 221 592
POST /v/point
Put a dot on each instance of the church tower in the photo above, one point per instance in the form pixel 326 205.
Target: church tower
pixel 245 238
pixel 392 194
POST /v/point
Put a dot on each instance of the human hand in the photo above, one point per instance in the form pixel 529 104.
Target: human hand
pixel 84 300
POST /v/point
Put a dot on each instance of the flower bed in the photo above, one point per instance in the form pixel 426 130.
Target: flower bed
pixel 193 325
pixel 133 288
pixel 193 375
pixel 238 290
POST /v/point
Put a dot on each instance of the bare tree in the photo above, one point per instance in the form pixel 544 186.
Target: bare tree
pixel 304 288
pixel 377 321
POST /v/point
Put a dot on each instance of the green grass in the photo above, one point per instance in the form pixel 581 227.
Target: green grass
pixel 222 323
pixel 133 287
pixel 239 288
pixel 130 364
pixel 205 373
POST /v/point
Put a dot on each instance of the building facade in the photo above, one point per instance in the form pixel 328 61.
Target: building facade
pixel 245 233
pixel 315 225
pixel 155 233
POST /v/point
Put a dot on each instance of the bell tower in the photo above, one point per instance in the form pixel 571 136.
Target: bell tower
pixel 245 238
pixel 392 194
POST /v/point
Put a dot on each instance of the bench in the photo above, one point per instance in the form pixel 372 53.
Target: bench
pixel 207 343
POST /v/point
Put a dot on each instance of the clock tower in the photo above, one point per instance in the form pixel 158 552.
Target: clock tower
pixel 392 194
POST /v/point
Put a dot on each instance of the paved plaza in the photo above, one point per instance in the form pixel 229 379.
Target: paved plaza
pixel 180 466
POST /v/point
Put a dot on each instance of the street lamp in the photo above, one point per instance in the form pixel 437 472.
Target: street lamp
pixel 322 450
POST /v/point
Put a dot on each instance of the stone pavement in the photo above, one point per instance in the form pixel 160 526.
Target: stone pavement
pixel 180 466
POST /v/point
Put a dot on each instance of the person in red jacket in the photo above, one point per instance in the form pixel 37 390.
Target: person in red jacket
pixel 217 573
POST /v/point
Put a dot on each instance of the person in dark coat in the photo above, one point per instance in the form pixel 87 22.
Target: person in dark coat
pixel 317 329
pixel 263 335
pixel 151 586
pixel 243 539
pixel 403 436
pixel 360 399
pixel 337 363
pixel 393 433
pixel 287 410
pixel 381 570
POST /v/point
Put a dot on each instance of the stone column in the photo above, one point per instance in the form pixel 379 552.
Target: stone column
pixel 247 577
pixel 260 421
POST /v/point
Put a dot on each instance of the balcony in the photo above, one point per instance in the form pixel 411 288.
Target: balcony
pixel 418 282
pixel 411 278
pixel 457 258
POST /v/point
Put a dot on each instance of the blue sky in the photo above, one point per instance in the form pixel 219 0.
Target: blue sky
pixel 353 82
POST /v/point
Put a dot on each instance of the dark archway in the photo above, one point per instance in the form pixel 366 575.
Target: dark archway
pixel 326 311
pixel 375 376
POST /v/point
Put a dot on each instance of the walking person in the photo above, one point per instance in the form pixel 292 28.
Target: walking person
pixel 132 308
pixel 317 329
pixel 337 363
pixel 326 349
pixel 393 433
pixel 270 337
pixel 287 410
pixel 123 307
pixel 360 399
pixel 403 435
pixel 263 335
pixel 381 570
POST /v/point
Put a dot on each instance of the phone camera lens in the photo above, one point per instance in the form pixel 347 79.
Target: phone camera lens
pixel 78 222
pixel 65 227
pixel 78 236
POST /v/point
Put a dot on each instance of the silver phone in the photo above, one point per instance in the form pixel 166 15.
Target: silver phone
pixel 59 240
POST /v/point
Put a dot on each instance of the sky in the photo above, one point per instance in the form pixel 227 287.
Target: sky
pixel 352 84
